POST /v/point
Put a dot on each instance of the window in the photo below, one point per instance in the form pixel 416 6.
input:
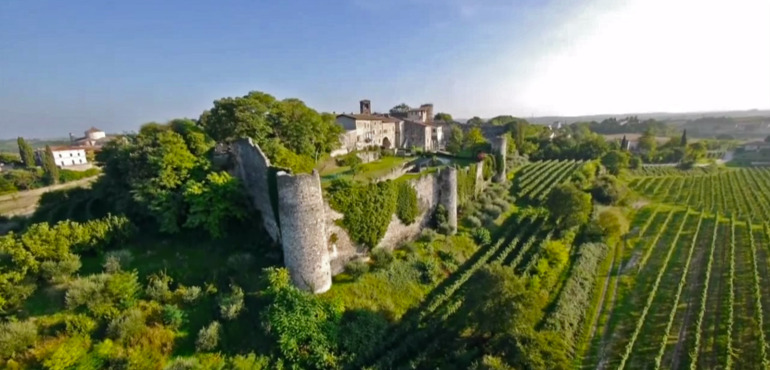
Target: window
pixel 70 154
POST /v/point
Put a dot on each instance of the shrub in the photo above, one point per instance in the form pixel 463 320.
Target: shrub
pixel 481 236
pixel 382 258
pixel 492 210
pixel 361 332
pixel 183 363
pixel 249 362
pixel 608 190
pixel 473 221
pixel 348 160
pixel 115 261
pixel 68 353
pixel 429 270
pixel 501 202
pixel 188 294
pixel 441 219
pixel 16 337
pixel 208 337
pixel 105 295
pixel 126 326
pixel 406 203
pixel 231 304
pixel 356 268
pixel 173 316
pixel 158 287
pixel 428 235
pixel 60 271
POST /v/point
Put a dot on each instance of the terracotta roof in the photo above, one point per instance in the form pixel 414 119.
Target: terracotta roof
pixel 66 147
pixel 370 117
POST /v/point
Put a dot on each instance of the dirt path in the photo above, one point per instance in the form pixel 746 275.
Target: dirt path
pixel 25 202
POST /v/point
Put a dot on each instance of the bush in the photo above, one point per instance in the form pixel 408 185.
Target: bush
pixel 208 337
pixel 16 337
pixel 69 175
pixel 173 316
pixel 183 363
pixel 231 304
pixel 118 260
pixel 608 190
pixel 473 221
pixel 188 294
pixel 356 268
pixel 428 235
pixel 406 203
pixel 158 287
pixel 481 236
pixel 348 160
pixel 429 270
pixel 127 326
pixel 60 271
pixel 492 211
pixel 361 332
pixel 249 362
pixel 382 258
pixel 241 263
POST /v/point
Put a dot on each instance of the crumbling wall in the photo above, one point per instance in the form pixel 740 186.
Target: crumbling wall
pixel 500 148
pixel 305 254
pixel 252 167
pixel 341 248
pixel 479 184
pixel 448 195
pixel 427 200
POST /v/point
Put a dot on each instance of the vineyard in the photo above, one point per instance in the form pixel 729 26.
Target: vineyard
pixel 693 291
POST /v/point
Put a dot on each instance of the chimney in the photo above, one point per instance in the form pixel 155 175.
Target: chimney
pixel 366 106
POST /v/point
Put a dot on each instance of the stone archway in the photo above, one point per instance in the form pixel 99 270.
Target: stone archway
pixel 386 143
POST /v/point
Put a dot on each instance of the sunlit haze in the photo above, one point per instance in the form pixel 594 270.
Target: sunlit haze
pixel 66 66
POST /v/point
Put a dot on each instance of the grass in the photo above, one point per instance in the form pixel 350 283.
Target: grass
pixel 329 170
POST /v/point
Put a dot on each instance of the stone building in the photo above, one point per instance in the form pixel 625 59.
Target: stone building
pixel 94 139
pixel 64 156
pixel 402 131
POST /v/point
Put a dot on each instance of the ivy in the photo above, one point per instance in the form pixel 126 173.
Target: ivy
pixel 466 184
pixel 367 208
pixel 406 203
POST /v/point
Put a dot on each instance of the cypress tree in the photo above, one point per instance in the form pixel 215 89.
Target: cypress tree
pixel 26 153
pixel 684 138
pixel 49 166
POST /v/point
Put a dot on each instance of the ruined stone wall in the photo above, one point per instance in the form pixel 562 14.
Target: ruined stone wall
pixel 448 194
pixel 500 147
pixel 251 166
pixel 341 248
pixel 305 252
pixel 427 188
pixel 479 183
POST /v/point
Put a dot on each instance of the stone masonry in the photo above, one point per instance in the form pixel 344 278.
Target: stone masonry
pixel 252 168
pixel 305 253
pixel 448 194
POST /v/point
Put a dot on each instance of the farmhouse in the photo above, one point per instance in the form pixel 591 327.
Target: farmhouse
pixel 64 156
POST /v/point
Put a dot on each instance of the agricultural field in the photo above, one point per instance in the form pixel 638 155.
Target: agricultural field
pixel 692 288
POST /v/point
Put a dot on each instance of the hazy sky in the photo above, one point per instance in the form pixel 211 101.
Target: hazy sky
pixel 69 65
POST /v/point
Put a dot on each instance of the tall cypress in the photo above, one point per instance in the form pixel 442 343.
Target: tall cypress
pixel 26 153
pixel 684 138
pixel 49 167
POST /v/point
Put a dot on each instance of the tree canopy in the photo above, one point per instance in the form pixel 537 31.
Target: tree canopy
pixel 446 117
pixel 26 153
pixel 569 206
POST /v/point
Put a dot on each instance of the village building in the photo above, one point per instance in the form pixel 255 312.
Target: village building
pixel 367 129
pixel 94 139
pixel 64 156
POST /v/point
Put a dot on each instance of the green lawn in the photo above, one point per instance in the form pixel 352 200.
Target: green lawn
pixel 366 172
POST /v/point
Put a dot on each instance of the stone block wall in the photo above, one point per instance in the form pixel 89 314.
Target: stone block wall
pixel 252 167
pixel 448 194
pixel 305 252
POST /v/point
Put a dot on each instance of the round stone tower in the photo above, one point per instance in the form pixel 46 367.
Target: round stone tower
pixel 301 215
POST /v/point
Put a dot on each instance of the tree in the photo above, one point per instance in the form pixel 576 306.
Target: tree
pixel 446 117
pixel 615 161
pixel 235 118
pixel 696 151
pixel 683 142
pixel 647 143
pixel 49 167
pixel 400 110
pixel 304 326
pixel 569 206
pixel 613 223
pixel 26 153
pixel 474 137
pixel 635 162
pixel 475 121
pixel 501 120
pixel 608 190
pixel 455 140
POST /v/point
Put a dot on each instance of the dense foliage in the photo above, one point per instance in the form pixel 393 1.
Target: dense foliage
pixel 367 208
pixel 407 208
pixel 26 153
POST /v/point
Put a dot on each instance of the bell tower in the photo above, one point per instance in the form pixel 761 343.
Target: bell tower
pixel 366 106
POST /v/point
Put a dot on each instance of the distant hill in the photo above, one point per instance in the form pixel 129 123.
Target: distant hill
pixel 10 145
pixel 661 116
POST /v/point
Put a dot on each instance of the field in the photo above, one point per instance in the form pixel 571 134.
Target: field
pixel 692 289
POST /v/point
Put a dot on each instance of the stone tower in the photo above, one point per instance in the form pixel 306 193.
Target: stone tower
pixel 301 215
pixel 366 106
pixel 428 108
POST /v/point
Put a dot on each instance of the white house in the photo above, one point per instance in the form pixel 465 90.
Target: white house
pixel 65 156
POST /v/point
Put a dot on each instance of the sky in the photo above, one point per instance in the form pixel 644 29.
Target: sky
pixel 68 65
